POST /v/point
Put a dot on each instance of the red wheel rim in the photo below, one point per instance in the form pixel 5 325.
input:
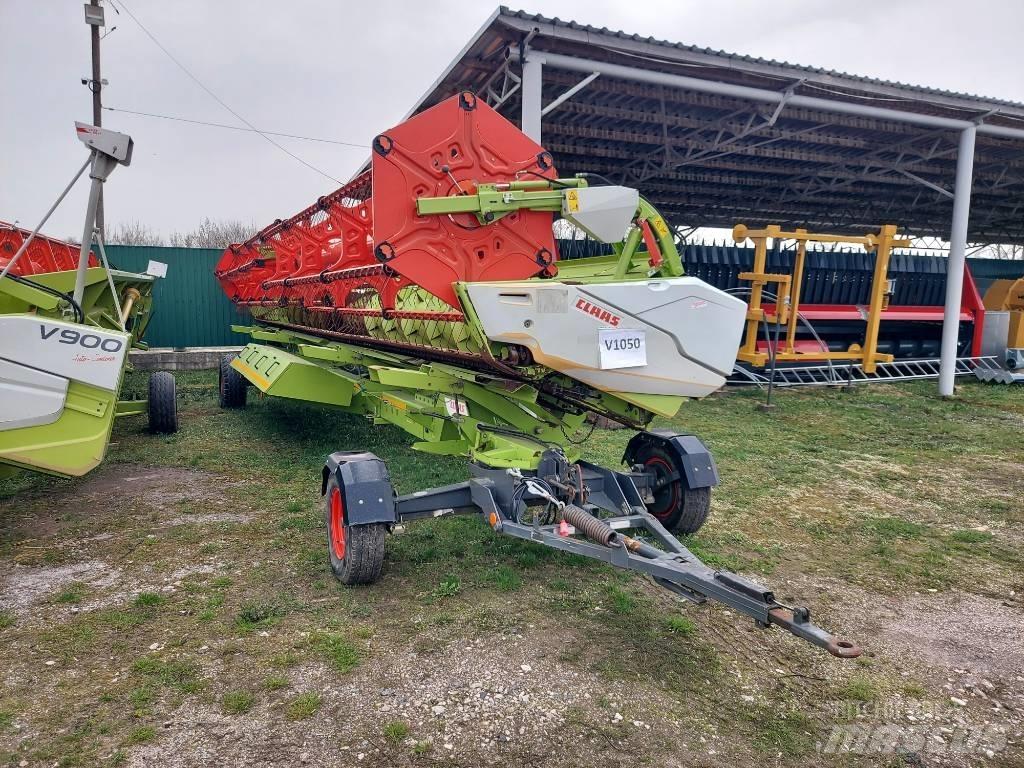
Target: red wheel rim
pixel 337 524
pixel 662 469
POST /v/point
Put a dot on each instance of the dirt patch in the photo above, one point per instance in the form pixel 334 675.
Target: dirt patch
pixel 113 501
pixel 163 488
pixel 21 587
pixel 214 517
pixel 495 702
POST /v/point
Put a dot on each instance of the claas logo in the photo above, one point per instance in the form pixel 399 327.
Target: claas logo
pixel 602 314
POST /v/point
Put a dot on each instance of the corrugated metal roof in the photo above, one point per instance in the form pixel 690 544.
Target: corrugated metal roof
pixel 710 159
pixel 737 57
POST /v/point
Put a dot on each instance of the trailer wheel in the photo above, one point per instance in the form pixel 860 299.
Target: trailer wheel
pixel 678 508
pixel 232 385
pixel 356 551
pixel 163 403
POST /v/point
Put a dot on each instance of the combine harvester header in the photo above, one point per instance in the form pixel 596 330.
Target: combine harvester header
pixel 427 293
pixel 67 323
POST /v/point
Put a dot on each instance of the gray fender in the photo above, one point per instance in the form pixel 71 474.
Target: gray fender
pixel 365 485
pixel 698 464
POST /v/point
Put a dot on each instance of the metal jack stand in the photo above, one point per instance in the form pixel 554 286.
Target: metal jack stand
pixel 109 149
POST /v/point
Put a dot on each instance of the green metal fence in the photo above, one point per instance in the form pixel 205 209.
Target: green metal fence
pixel 189 308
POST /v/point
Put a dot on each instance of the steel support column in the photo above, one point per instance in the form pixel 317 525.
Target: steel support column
pixel 955 263
pixel 531 98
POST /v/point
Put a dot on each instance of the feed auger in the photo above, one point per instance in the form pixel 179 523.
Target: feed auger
pixel 428 293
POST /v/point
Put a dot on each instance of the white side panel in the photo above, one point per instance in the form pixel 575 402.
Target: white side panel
pixel 707 323
pixel 29 397
pixel 77 352
pixel 691 330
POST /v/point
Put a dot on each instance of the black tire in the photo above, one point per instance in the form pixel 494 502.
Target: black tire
pixel 163 403
pixel 232 385
pixel 356 551
pixel 678 508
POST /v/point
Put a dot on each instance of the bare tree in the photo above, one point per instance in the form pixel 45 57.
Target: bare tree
pixel 214 234
pixel 135 233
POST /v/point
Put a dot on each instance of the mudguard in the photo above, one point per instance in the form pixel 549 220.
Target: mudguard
pixel 697 463
pixel 365 485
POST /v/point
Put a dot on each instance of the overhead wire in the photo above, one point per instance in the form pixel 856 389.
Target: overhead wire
pixel 364 147
pixel 217 98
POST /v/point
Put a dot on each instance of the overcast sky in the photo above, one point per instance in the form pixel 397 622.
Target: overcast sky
pixel 347 70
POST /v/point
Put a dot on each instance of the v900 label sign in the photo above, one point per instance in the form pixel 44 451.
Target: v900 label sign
pixel 77 352
pixel 84 340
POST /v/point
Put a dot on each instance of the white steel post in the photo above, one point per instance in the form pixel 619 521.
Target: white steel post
pixel 531 89
pixel 956 261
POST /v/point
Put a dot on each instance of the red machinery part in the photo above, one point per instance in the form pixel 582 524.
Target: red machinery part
pixel 44 254
pixel 972 310
pixel 367 237
pixel 307 256
pixel 448 150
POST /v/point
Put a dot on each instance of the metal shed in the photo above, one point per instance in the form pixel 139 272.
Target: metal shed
pixel 713 138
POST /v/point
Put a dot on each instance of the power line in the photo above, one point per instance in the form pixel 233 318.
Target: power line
pixel 217 98
pixel 364 147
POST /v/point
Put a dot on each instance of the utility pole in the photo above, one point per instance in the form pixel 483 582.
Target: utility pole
pixel 94 18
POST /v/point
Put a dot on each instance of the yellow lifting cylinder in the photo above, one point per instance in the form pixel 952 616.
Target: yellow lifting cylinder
pixel 787 304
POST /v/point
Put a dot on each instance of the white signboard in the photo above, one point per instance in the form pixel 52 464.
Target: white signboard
pixel 78 352
pixel 156 269
pixel 622 348
pixel 456 406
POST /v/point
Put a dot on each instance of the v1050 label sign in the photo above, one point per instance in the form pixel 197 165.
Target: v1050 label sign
pixel 622 348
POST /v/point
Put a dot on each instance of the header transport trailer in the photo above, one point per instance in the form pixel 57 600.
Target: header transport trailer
pixel 428 293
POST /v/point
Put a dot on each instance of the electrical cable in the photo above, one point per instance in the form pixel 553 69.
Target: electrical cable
pixel 554 182
pixel 364 147
pixel 743 291
pixel 53 292
pixel 581 441
pixel 219 100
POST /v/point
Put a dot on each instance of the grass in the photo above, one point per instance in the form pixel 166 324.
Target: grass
pixel 182 676
pixel 971 537
pixel 396 731
pixel 787 732
pixel 73 593
pixel 237 702
pixel 275 683
pixel 342 655
pixel 860 688
pixel 888 489
pixel 680 625
pixel 149 600
pixel 303 706
pixel 140 735
pixel 258 615
pixel 506 578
